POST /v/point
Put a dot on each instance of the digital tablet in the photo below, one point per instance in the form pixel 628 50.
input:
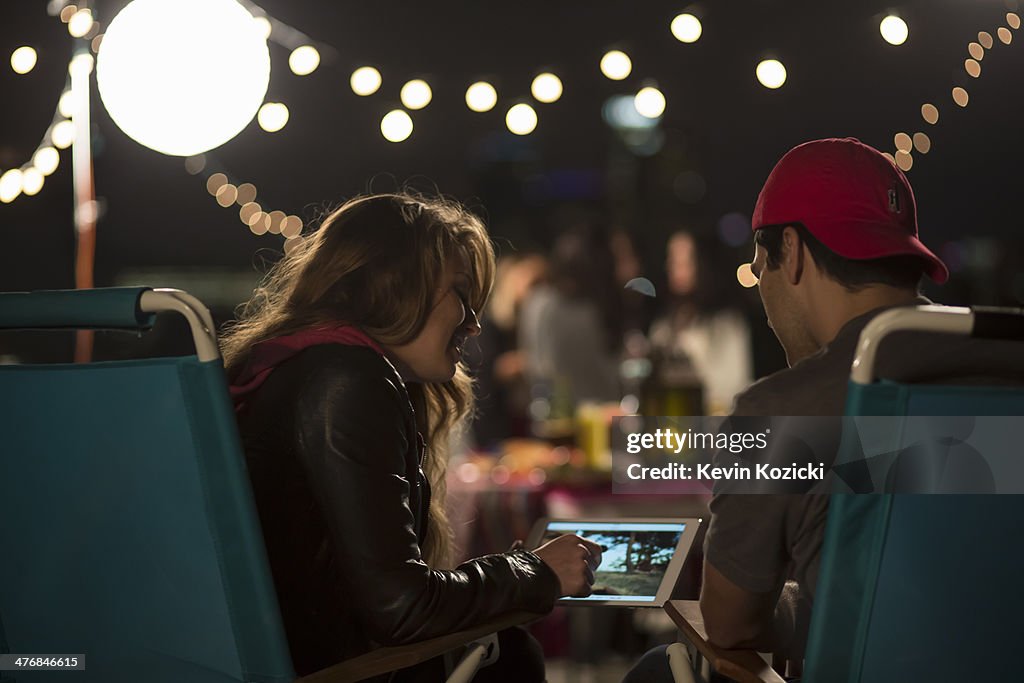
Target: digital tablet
pixel 641 561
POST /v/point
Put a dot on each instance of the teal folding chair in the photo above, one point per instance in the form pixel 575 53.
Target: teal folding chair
pixel 128 532
pixel 910 587
pixel 922 587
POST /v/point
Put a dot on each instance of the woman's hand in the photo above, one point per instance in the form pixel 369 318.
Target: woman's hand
pixel 573 559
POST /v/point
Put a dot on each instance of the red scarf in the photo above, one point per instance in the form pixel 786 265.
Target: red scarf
pixel 267 355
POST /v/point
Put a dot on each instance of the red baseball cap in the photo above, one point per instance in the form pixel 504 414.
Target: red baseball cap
pixel 850 197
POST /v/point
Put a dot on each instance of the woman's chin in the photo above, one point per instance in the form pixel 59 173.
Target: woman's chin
pixel 442 372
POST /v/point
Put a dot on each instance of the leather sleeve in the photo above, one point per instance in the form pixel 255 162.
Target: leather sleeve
pixel 352 440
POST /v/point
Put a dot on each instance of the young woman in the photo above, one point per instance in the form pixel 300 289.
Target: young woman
pixel 347 379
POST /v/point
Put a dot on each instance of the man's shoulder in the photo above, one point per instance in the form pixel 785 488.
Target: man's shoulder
pixel 814 386
pixel 817 384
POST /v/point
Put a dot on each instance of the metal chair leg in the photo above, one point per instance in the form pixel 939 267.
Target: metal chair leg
pixel 679 664
pixel 479 653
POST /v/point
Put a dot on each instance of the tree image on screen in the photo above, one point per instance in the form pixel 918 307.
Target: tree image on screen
pixel 633 562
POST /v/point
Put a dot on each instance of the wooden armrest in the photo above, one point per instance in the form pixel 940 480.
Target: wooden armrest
pixel 745 666
pixel 385 659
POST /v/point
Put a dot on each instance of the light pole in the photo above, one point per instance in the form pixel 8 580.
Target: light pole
pixel 84 186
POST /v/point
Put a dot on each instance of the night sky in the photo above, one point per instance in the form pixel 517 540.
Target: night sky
pixel 720 125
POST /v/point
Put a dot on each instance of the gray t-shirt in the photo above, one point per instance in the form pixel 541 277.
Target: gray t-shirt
pixel 566 347
pixel 760 541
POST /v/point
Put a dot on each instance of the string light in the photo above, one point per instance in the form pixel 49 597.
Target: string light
pixel 616 65
pixel 46 159
pixel 24 59
pixel 481 96
pixel 259 224
pixel 304 60
pixel 894 30
pixel 771 73
pixel 649 102
pixel 66 104
pixel 271 227
pixel 215 182
pixel 10 185
pixel 194 165
pixel 227 194
pixel 250 213
pixel 30 178
pixel 291 228
pixel 416 94
pixel 365 81
pixel 686 28
pixel 31 181
pixel 546 88
pixel 63 134
pixel 83 62
pixel 922 143
pixel 521 119
pixel 80 23
pixel 246 194
pixel 264 26
pixel 745 276
pixel 396 126
pixel 272 116
pixel 276 219
pixel 249 210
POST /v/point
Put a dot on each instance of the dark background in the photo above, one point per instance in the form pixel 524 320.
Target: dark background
pixel 160 224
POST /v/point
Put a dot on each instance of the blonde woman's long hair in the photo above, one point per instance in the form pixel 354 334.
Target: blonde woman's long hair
pixel 376 263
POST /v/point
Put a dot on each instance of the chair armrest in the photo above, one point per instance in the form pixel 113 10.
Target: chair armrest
pixel 744 666
pixel 385 659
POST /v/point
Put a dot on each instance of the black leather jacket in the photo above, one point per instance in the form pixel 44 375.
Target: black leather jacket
pixel 334 458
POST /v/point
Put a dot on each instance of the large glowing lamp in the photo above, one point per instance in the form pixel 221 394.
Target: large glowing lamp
pixel 183 77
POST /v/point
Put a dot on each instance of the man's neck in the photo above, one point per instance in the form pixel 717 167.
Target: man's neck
pixel 842 306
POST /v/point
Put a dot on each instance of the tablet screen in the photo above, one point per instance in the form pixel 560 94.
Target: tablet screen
pixel 635 561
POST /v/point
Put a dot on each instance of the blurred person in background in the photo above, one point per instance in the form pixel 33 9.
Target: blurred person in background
pixel 699 338
pixel 572 326
pixel 494 358
pixel 637 310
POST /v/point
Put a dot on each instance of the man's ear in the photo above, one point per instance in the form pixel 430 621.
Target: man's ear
pixel 792 255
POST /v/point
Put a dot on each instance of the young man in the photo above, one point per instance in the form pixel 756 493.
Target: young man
pixel 836 242
pixel 835 233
